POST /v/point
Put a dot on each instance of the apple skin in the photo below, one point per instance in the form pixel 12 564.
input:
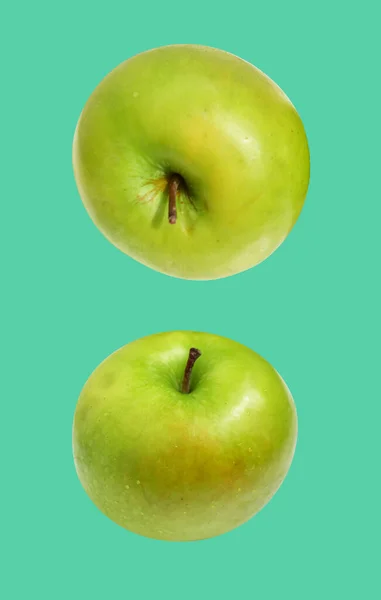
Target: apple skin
pixel 182 467
pixel 219 122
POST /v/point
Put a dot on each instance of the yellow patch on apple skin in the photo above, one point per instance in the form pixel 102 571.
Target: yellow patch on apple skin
pixel 155 187
pixel 194 464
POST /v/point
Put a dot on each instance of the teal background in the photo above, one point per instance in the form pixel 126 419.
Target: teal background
pixel 69 299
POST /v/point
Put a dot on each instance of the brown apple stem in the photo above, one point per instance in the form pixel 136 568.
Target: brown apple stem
pixel 173 187
pixel 194 354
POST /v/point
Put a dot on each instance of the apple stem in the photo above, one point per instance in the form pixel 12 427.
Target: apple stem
pixel 194 354
pixel 174 182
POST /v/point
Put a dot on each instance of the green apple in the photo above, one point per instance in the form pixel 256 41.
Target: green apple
pixel 182 436
pixel 192 161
